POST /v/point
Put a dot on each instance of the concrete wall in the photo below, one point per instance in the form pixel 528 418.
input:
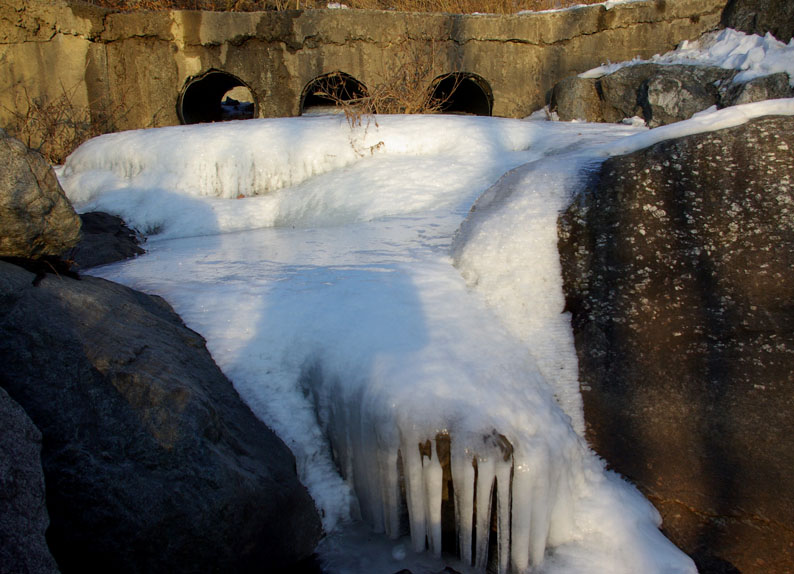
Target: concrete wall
pixel 141 61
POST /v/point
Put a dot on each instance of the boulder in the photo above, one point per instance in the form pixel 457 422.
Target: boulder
pixel 619 91
pixel 675 93
pixel 660 94
pixel 36 217
pixel 106 239
pixel 576 98
pixel 678 266
pixel 23 513
pixel 771 87
pixel 152 461
pixel 760 17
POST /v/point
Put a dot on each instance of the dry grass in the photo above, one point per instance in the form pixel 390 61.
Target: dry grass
pixel 55 127
pixel 447 6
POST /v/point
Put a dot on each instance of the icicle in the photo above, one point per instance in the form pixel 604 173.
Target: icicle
pixel 412 467
pixel 432 476
pixel 521 518
pixel 486 477
pixel 367 468
pixel 463 478
pixel 539 525
pixel 534 494
pixel 339 437
pixel 390 489
pixel 504 470
pixel 494 477
pixel 541 506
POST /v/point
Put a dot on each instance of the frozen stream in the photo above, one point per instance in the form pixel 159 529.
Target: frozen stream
pixel 317 261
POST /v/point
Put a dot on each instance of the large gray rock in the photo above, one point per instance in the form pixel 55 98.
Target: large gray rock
pixel 23 513
pixel 675 93
pixel 771 87
pixel 760 17
pixel 576 98
pixel 152 461
pixel 35 217
pixel 619 91
pixel 678 266
pixel 660 94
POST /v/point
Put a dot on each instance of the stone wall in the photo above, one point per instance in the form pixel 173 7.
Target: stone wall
pixel 141 62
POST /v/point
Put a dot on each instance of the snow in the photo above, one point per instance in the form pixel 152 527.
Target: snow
pixel 704 121
pixel 754 56
pixel 608 5
pixel 361 310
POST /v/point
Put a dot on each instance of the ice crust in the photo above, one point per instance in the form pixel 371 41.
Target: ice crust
pixel 331 301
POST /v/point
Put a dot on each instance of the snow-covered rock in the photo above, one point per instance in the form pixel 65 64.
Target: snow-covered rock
pixel 660 94
pixel 720 69
pixel 773 87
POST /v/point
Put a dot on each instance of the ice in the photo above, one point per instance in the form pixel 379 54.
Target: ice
pixel 422 398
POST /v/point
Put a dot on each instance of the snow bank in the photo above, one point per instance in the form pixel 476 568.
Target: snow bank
pixel 753 55
pixel 255 157
pixel 176 181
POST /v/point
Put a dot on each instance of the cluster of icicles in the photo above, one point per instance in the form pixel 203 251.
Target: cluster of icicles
pixel 457 500
pixel 496 502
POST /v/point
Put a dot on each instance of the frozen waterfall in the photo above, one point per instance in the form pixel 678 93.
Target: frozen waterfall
pixel 424 379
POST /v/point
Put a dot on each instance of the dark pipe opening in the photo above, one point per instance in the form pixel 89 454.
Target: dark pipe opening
pixel 213 97
pixel 326 92
pixel 463 93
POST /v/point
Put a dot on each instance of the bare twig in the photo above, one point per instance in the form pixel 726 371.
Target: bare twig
pixel 56 126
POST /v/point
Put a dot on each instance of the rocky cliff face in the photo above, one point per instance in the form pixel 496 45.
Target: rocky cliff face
pixel 678 263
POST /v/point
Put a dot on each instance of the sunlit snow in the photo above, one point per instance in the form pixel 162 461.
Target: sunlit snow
pixel 337 284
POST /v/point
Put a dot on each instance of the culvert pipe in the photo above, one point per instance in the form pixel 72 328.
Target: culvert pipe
pixel 202 96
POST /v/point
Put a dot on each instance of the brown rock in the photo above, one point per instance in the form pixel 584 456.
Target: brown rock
pixel 679 273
